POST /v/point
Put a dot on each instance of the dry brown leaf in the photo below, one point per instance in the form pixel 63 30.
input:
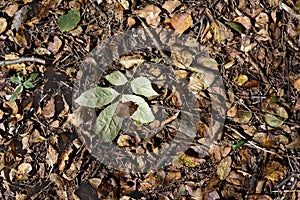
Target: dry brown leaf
pixel 124 141
pixel 131 61
pixel 3 25
pixel 49 108
pixel 245 21
pixel 181 22
pixel 181 57
pixel 251 84
pixel 297 84
pixel 196 83
pixel 235 178
pixel 23 171
pixel 274 171
pixel 95 182
pixel 130 22
pixel 262 35
pixel 224 167
pixel 55 45
pixel 11 10
pixel 64 159
pixel 232 111
pixel 219 31
pixel 259 196
pixel 52 156
pixel 35 137
pixel 151 14
pixel 171 5
pixel 261 20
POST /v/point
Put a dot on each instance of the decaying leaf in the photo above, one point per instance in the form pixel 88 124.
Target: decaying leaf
pixel 181 22
pixel 11 9
pixel 276 115
pixel 219 31
pixel 274 171
pixel 151 14
pixel 125 110
pixel 224 167
pixel 243 116
pixel 131 61
pixel 171 5
pixel 19 17
pixel 3 25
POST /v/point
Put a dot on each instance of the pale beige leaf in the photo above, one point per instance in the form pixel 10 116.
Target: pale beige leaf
pixel 131 61
pixel 171 5
pixel 49 108
pixel 23 171
pixel 52 156
pixel 3 25
pixel 297 84
pixel 181 22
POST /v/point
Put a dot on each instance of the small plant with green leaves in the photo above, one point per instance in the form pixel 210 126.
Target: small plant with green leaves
pixel 21 84
pixel 109 122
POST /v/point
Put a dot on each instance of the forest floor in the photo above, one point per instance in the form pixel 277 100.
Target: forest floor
pixel 167 99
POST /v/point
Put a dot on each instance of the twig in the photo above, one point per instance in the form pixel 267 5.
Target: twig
pixel 289 10
pixel 23 59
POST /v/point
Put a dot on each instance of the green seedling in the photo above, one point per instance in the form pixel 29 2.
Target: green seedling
pixel 21 84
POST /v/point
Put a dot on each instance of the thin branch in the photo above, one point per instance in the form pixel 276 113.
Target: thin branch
pixel 22 60
pixel 289 10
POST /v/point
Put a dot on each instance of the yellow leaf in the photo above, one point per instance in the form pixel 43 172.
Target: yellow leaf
pixel 3 25
pixel 297 84
pixel 241 80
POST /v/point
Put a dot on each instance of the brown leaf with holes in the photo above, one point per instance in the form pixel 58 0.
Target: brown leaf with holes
pixel 181 22
pixel 151 14
pixel 131 61
pixel 224 167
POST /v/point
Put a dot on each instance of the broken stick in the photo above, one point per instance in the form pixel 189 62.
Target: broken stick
pixel 21 60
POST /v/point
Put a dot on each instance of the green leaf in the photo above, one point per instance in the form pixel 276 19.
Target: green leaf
pixel 237 26
pixel 108 124
pixel 116 78
pixel 32 77
pixel 142 86
pixel 28 85
pixel 238 145
pixel 143 113
pixel 19 75
pixel 69 21
pixel 15 80
pixel 277 116
pixel 14 96
pixel 97 97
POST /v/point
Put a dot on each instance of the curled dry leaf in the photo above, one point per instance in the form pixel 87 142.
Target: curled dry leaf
pixel 23 170
pixel 262 35
pixel 181 22
pixel 3 25
pixel 244 20
pixel 297 84
pixel 261 20
pixel 55 46
pixel 52 156
pixel 131 61
pixel 151 14
pixel 171 5
pixel 219 31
